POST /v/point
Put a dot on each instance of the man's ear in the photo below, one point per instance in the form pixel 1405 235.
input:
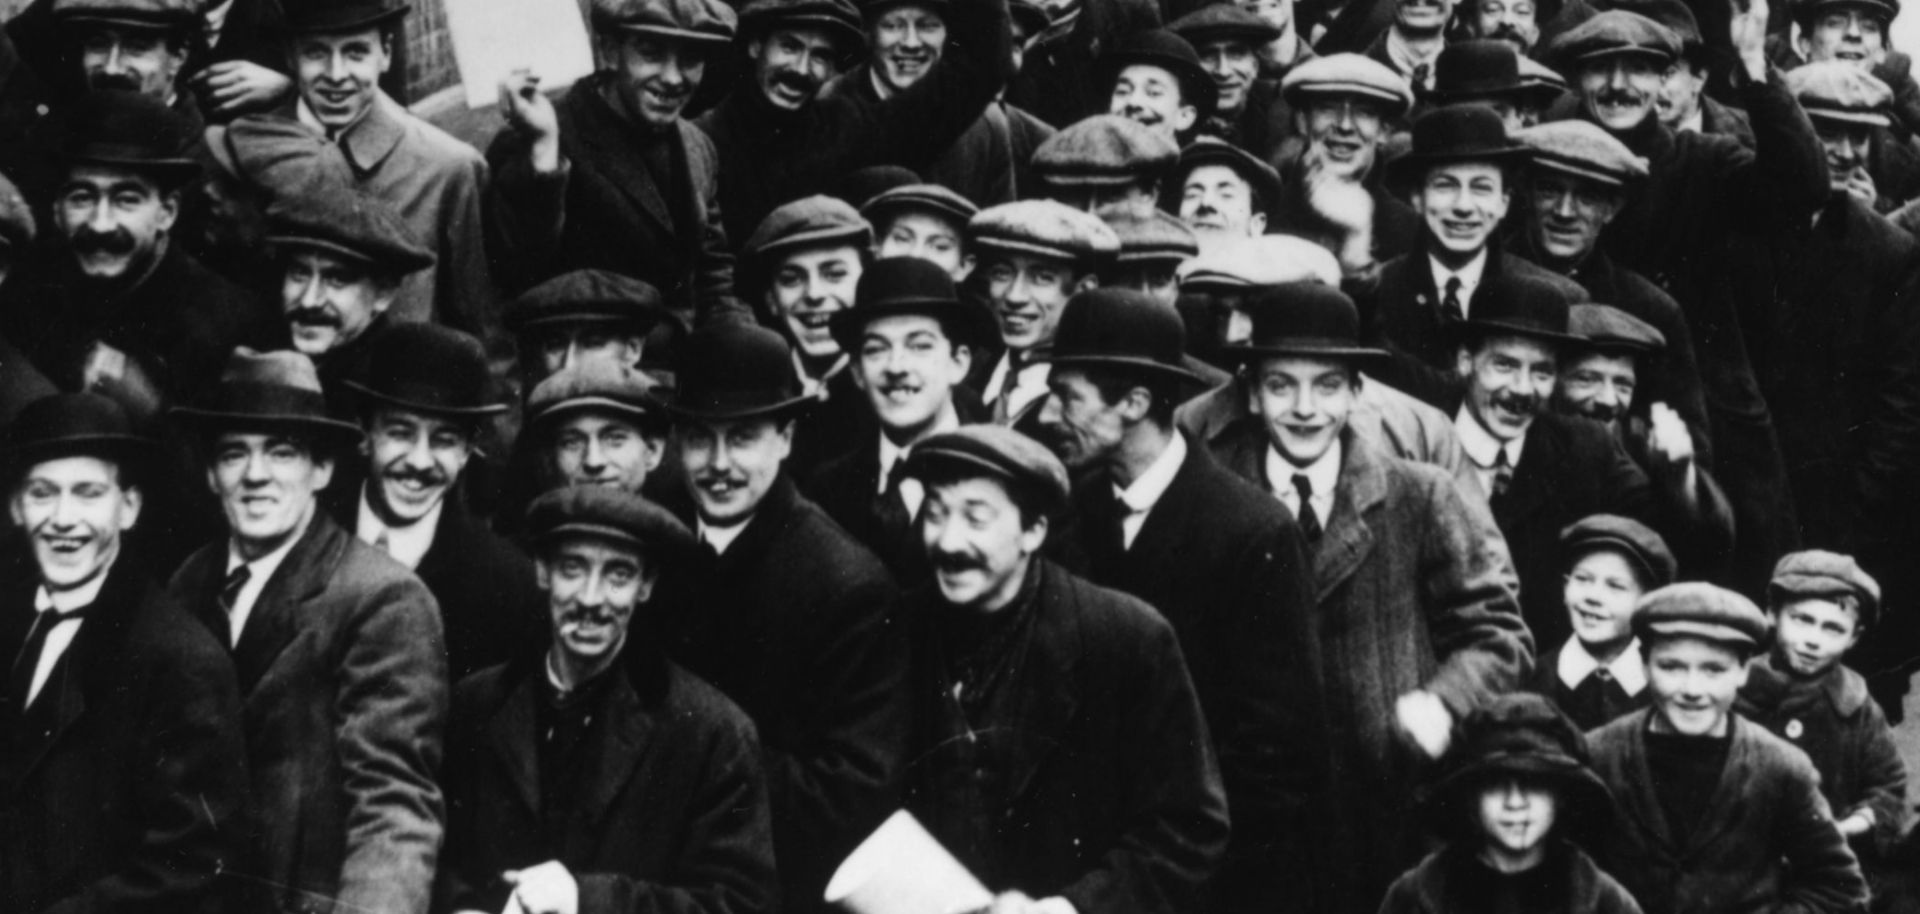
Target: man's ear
pixel 963 358
pixel 1086 282
pixel 322 472
pixel 385 295
pixel 132 501
pixel 1184 118
pixel 1257 224
pixel 542 574
pixel 649 576
pixel 386 50
pixel 169 209
pixel 1463 362
pixel 967 264
pixel 1136 404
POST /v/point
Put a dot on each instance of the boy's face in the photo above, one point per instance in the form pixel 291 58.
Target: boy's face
pixel 1694 682
pixel 1516 814
pixel 1812 635
pixel 1602 589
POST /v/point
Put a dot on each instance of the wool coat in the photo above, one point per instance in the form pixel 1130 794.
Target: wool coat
pixel 343 683
pixel 134 795
pixel 1429 888
pixel 606 210
pixel 1056 81
pixel 791 623
pixel 989 164
pixel 1104 786
pixel 1726 120
pixel 1767 843
pixel 672 805
pixel 1612 700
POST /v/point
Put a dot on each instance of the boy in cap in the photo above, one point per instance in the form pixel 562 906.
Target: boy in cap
pixel 922 220
pixel 1343 106
pixel 1229 38
pixel 1045 701
pixel 1106 165
pixel 1156 79
pixel 1714 812
pixel 1598 674
pixel 592 774
pixel 1514 812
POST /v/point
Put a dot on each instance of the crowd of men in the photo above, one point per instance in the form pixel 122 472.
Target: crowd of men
pixel 1320 456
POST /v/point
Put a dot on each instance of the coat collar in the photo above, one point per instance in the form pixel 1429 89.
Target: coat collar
pixel 368 142
pixel 1769 687
pixel 304 576
pixel 95 655
pixel 1744 759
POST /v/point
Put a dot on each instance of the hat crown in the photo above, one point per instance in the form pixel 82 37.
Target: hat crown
pixel 428 367
pixel 1107 148
pixel 1520 304
pixel 342 219
pixel 808 220
pixel 1582 148
pixel 586 295
pixel 321 16
pixel 1223 20
pixel 1673 15
pixel 1612 32
pixel 1645 547
pixel 1303 312
pixel 159 13
pixel 999 451
pixel 1262 260
pixel 1156 237
pixel 1120 323
pixel 591 510
pixel 1044 227
pixel 592 379
pixel 927 198
pixel 120 127
pixel 1157 43
pixel 1476 65
pixel 903 279
pixel 1351 75
pixel 1604 326
pixel 1699 609
pixel 735 368
pixel 1517 726
pixel 1460 131
pixel 837 15
pixel 694 19
pixel 1836 85
pixel 1818 572
pixel 68 417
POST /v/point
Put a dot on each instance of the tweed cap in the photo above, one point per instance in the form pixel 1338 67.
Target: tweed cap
pixel 1044 228
pixel 932 199
pixel 1806 12
pixel 159 15
pixel 588 297
pixel 999 452
pixel 1645 548
pixel 1673 14
pixel 1611 34
pixel 313 17
pixel 813 221
pixel 1105 150
pixel 1700 610
pixel 1543 79
pixel 594 384
pixel 704 21
pixel 279 389
pixel 1262 260
pixel 838 17
pixel 1224 22
pixel 16 217
pixel 607 514
pixel 1818 573
pixel 346 222
pixel 1168 51
pixel 1583 149
pixel 431 369
pixel 1155 239
pixel 1260 177
pixel 123 129
pixel 1606 327
pixel 1348 76
pixel 1836 90
pixel 73 425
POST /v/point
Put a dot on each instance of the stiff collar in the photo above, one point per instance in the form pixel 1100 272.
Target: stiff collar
pixel 1628 669
pixel 1145 492
pixel 722 537
pixel 1481 447
pixel 367 141
pixel 408 544
pixel 1407 60
pixel 1469 278
pixel 78 598
pixel 1323 474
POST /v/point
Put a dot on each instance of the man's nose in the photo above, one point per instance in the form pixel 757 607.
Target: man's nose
pixel 1050 411
pixel 116 62
pixel 311 295
pixel 419 453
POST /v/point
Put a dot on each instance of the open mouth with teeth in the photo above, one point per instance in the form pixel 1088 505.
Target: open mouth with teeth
pixel 65 545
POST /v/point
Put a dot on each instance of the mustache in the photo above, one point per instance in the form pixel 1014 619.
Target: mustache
pixel 1613 96
pixel 1518 404
pixel 955 562
pixel 314 317
pixel 428 477
pixel 797 81
pixel 121 81
pixel 89 241
pixel 1604 412
pixel 709 477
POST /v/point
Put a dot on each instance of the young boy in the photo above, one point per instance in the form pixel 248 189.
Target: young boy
pixel 1598 674
pixel 1822 603
pixel 1511 809
pixel 1715 813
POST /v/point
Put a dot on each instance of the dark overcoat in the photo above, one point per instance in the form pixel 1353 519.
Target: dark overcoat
pixel 344 683
pixel 989 164
pixel 1429 887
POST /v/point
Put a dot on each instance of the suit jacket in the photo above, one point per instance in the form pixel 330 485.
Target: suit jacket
pixel 1106 787
pixel 137 798
pixel 672 810
pixel 1724 119
pixel 1768 842
pixel 1430 888
pixel 344 684
pixel 791 624
pixel 605 210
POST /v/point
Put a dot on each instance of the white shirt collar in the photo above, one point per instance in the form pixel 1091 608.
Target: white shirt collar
pixel 63 629
pixel 1322 474
pixel 1481 447
pixel 1145 492
pixel 1469 279
pixel 722 537
pixel 259 572
pixel 1029 384
pixel 66 601
pixel 408 544
pixel 1695 122
pixel 815 385
pixel 1627 669
pixel 1406 59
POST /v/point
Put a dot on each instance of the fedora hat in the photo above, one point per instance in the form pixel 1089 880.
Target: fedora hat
pixel 279 389
pixel 1164 49
pixel 428 368
pixel 1520 734
pixel 128 130
pixel 1461 133
pixel 1513 304
pixel 1121 328
pixel 911 285
pixel 736 371
pixel 1303 319
pixel 318 17
pixel 74 425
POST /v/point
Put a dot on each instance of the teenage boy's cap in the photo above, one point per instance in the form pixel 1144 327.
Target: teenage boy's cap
pixel 1636 540
pixel 1700 610
pixel 999 452
pixel 1818 573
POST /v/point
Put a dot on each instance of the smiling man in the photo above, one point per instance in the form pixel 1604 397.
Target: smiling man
pixel 1155 78
pixel 927 221
pixel 1412 44
pixel 1224 191
pixel 1229 39
pixel 597 424
pixel 134 46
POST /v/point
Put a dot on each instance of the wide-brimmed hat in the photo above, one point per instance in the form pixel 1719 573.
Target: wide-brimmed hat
pixel 1511 304
pixel 74 425
pixel 708 22
pixel 1168 51
pixel 911 285
pixel 431 369
pixel 319 17
pixel 1124 329
pixel 607 513
pixel 342 221
pixel 1260 176
pixel 152 15
pixel 1303 319
pixel 1461 133
pixel 733 371
pixel 276 390
pixel 123 129
pixel 1519 734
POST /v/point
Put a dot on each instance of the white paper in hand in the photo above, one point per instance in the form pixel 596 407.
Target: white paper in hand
pixel 902 869
pixel 492 38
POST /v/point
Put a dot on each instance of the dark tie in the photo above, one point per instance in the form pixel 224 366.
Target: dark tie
pixel 229 596
pixel 1419 78
pixel 1502 475
pixel 1450 303
pixel 1003 404
pixel 1309 518
pixel 25 662
pixel 890 507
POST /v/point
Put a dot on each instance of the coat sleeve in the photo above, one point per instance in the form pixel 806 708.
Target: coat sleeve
pixel 525 214
pixel 1471 596
pixel 1784 179
pixel 915 126
pixel 392 707
pixel 463 284
pixel 1820 875
pixel 715 298
pixel 1882 778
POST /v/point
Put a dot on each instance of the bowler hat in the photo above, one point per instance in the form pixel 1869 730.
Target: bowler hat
pixel 911 285
pixel 1462 133
pixel 1484 68
pixel 1225 21
pixel 343 221
pixel 1105 150
pixel 430 369
pixel 1630 537
pixel 280 390
pixel 1819 573
pixel 1836 90
pixel 1155 238
pixel 1582 149
pixel 1261 178
pixel 589 297
pixel 16 217
pixel 1348 76
pixel 319 17
pixel 1524 735
pixel 155 15
pixel 74 425
pixel 608 514
pixel 1606 328
pixel 1121 328
pixel 736 371
pixel 997 451
pixel 1695 609
pixel 1166 50
pixel 1611 34
pixel 838 17
pixel 598 384
pixel 1515 304
pixel 128 130
pixel 1303 319
pixel 708 22
pixel 919 198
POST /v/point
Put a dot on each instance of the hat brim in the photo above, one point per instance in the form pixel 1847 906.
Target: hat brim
pixel 1655 579
pixel 1576 782
pixel 348 19
pixel 855 36
pixel 715 412
pixel 169 172
pixel 1655 54
pixel 128 451
pixel 1474 326
pixel 1397 105
pixel 331 434
pixel 609 533
pixel 371 396
pixel 1846 116
pixel 877 210
pixel 1257 37
pixel 1127 362
pixel 1683 628
pixel 647 413
pixel 968 325
pixel 710 41
pixel 1054 502
pixel 183 22
pixel 1031 249
pixel 1404 172
pixel 398 267
pixel 1578 169
pixel 1249 353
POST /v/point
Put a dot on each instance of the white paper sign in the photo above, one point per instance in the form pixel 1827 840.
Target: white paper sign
pixel 492 38
pixel 902 869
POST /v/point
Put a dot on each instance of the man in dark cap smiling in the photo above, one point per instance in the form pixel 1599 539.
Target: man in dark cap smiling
pixel 1249 111
pixel 1155 78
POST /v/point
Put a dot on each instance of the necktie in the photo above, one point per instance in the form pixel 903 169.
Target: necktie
pixel 1450 304
pixel 1502 474
pixel 28 660
pixel 230 596
pixel 890 507
pixel 1309 518
pixel 1003 404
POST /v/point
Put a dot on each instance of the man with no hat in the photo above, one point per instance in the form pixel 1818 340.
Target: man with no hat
pixel 343 678
pixel 613 177
pixel 781 609
pixel 1249 111
pixel 588 773
pixel 1343 108
pixel 123 773
pixel 1058 747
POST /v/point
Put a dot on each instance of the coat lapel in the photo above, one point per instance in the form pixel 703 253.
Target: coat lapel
pixel 275 619
pixel 1735 775
pixel 1347 539
pixel 604 145
pixel 1643 805
pixel 1044 692
pixel 1533 479
pixel 512 735
pixel 614 756
pixel 93 648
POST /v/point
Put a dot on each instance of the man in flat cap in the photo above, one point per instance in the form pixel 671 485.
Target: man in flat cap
pixel 589 773
pixel 1047 703
pixel 1249 111
pixel 586 315
pixel 122 769
pixel 1343 106
pixel 1154 77
pixel 597 423
pixel 340 51
pixel 1411 564
pixel 141 46
pixel 1684 102
pixel 1106 164
pixel 779 139
pixel 926 221
pixel 1850 111
pixel 343 679
pixel 1156 517
pixel 1223 190
pixel 1858 32
pixel 784 611
pixel 613 177
pixel 1600 378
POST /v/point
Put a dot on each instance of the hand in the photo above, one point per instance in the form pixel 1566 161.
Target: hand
pixel 1347 206
pixel 1425 718
pixel 234 86
pixel 544 889
pixel 1748 33
pixel 531 115
pixel 1860 186
pixel 1670 449
pixel 1019 903
pixel 1857 824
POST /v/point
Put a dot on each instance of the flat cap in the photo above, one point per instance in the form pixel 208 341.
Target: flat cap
pixel 1539 76
pixel 999 452
pixel 1105 150
pixel 608 514
pixel 595 384
pixel 588 296
pixel 162 15
pixel 1582 149
pixel 1260 177
pixel 1673 14
pixel 1818 573
pixel 1837 90
pixel 704 21
pixel 838 17
pixel 919 198
pixel 1610 34
pixel 806 222
pixel 1262 260
pixel 1636 540
pixel 1224 22
pixel 1807 11
pixel 1156 238
pixel 1700 610
pixel 1351 76
pixel 343 221
pixel 16 217
pixel 1608 327
pixel 1044 228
